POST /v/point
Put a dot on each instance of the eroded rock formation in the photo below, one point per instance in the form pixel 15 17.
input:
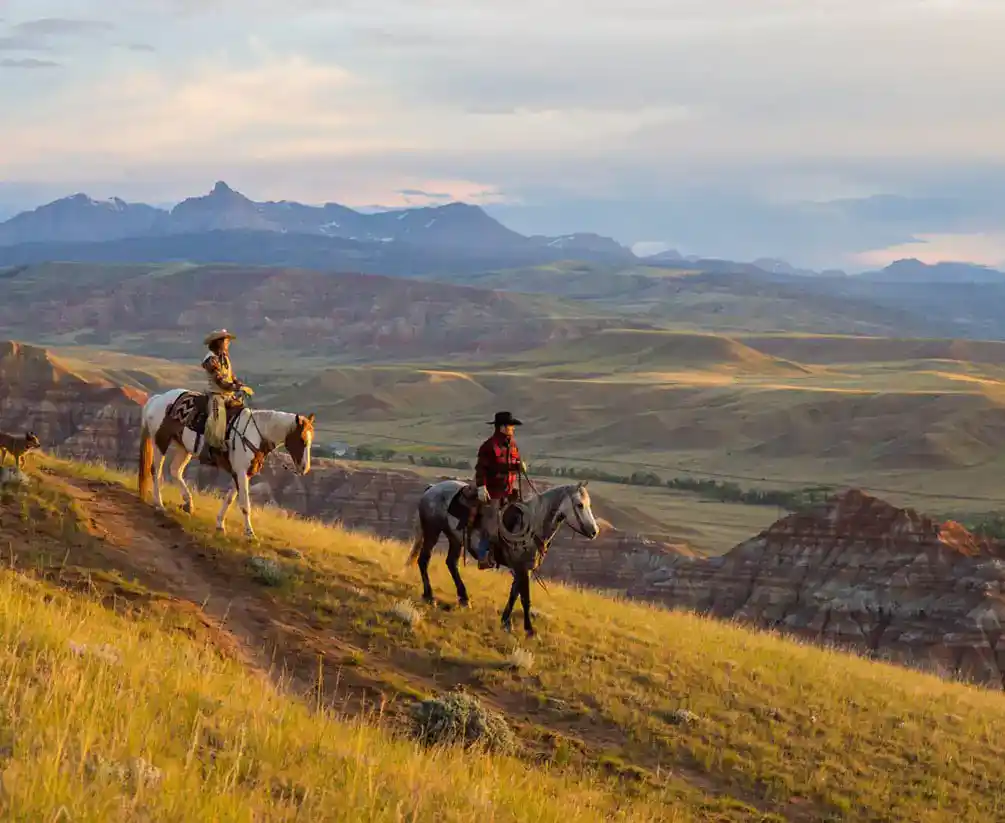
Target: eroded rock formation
pixel 71 416
pixel 861 573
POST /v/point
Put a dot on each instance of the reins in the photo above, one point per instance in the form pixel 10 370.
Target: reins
pixel 543 544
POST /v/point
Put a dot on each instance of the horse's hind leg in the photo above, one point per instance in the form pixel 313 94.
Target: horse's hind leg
pixel 177 468
pixel 158 471
pixel 425 554
pixel 453 555
pixel 507 614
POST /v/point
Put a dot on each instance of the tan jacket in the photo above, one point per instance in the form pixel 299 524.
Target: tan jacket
pixel 219 374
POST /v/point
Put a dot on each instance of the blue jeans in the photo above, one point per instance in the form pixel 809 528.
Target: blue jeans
pixel 483 547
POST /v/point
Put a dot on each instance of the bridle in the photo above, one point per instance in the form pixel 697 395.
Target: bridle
pixel 581 530
pixel 562 520
pixel 264 446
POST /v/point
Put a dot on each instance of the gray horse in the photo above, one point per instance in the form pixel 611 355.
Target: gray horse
pixel 528 529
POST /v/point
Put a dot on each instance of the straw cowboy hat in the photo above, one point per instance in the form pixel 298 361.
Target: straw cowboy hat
pixel 219 334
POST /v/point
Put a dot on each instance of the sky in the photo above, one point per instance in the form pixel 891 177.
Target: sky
pixel 831 133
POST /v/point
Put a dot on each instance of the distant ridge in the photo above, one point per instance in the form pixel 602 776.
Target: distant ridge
pixel 200 229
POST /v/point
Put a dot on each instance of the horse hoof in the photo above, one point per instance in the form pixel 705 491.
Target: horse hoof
pixel 159 508
pixel 507 626
pixel 428 598
pixel 531 634
pixel 464 604
pixel 187 507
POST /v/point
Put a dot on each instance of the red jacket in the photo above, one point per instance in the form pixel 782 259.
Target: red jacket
pixel 498 467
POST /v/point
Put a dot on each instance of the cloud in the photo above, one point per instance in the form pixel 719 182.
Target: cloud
pixel 421 193
pixel 61 27
pixel 36 35
pixel 21 43
pixel 988 249
pixel 717 124
pixel 27 63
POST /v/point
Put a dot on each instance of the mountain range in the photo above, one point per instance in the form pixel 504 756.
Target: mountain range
pixel 224 226
pixel 460 227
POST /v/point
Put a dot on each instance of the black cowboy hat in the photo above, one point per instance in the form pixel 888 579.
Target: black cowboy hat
pixel 505 418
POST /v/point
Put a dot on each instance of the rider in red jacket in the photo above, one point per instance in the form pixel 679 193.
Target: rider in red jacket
pixel 497 476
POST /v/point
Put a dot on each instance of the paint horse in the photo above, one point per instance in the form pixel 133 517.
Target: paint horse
pixel 178 417
pixel 526 530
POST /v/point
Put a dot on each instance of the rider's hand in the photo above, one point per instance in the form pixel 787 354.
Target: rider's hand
pixel 523 467
pixel 483 494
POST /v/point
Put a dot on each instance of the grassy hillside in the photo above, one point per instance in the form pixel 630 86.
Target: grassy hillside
pixel 122 703
pixel 916 415
pixel 732 300
pixel 282 315
pixel 621 710
pixel 899 416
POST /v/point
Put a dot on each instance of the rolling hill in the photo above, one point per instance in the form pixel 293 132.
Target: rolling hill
pixel 743 298
pixel 618 710
pixel 279 313
pixel 922 416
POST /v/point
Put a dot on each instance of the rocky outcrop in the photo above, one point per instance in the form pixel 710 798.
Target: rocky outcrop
pixel 860 573
pixel 72 417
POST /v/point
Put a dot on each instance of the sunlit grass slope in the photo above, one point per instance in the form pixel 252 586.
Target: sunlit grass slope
pixel 107 717
pixel 691 718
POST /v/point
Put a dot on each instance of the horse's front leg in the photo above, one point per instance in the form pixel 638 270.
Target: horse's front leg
pixel 524 577
pixel 244 500
pixel 228 500
pixel 507 614
pixel 453 555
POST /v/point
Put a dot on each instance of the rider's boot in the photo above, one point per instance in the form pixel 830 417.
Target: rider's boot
pixel 208 454
pixel 483 553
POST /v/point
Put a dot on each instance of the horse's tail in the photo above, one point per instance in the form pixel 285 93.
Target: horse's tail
pixel 418 538
pixel 145 478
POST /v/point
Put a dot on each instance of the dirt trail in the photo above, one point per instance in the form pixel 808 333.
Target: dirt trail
pixel 243 618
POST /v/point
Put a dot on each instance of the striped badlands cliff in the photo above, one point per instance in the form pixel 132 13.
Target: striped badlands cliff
pixel 857 572
pixel 73 417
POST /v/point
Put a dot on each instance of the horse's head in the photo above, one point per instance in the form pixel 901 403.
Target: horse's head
pixel 31 440
pixel 298 442
pixel 577 511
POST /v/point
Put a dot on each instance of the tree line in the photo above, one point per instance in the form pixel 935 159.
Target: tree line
pixel 718 490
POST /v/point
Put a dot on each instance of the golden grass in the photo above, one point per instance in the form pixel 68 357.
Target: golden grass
pixel 721 722
pixel 116 719
pixel 107 717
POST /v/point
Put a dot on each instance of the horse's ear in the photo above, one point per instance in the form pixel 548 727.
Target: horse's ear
pixel 584 483
pixel 310 418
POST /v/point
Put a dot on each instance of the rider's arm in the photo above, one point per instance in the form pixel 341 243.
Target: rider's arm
pixel 212 365
pixel 486 459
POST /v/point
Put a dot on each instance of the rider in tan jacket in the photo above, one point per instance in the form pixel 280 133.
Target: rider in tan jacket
pixel 222 386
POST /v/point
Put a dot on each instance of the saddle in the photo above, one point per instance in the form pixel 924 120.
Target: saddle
pixel 191 410
pixel 514 531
